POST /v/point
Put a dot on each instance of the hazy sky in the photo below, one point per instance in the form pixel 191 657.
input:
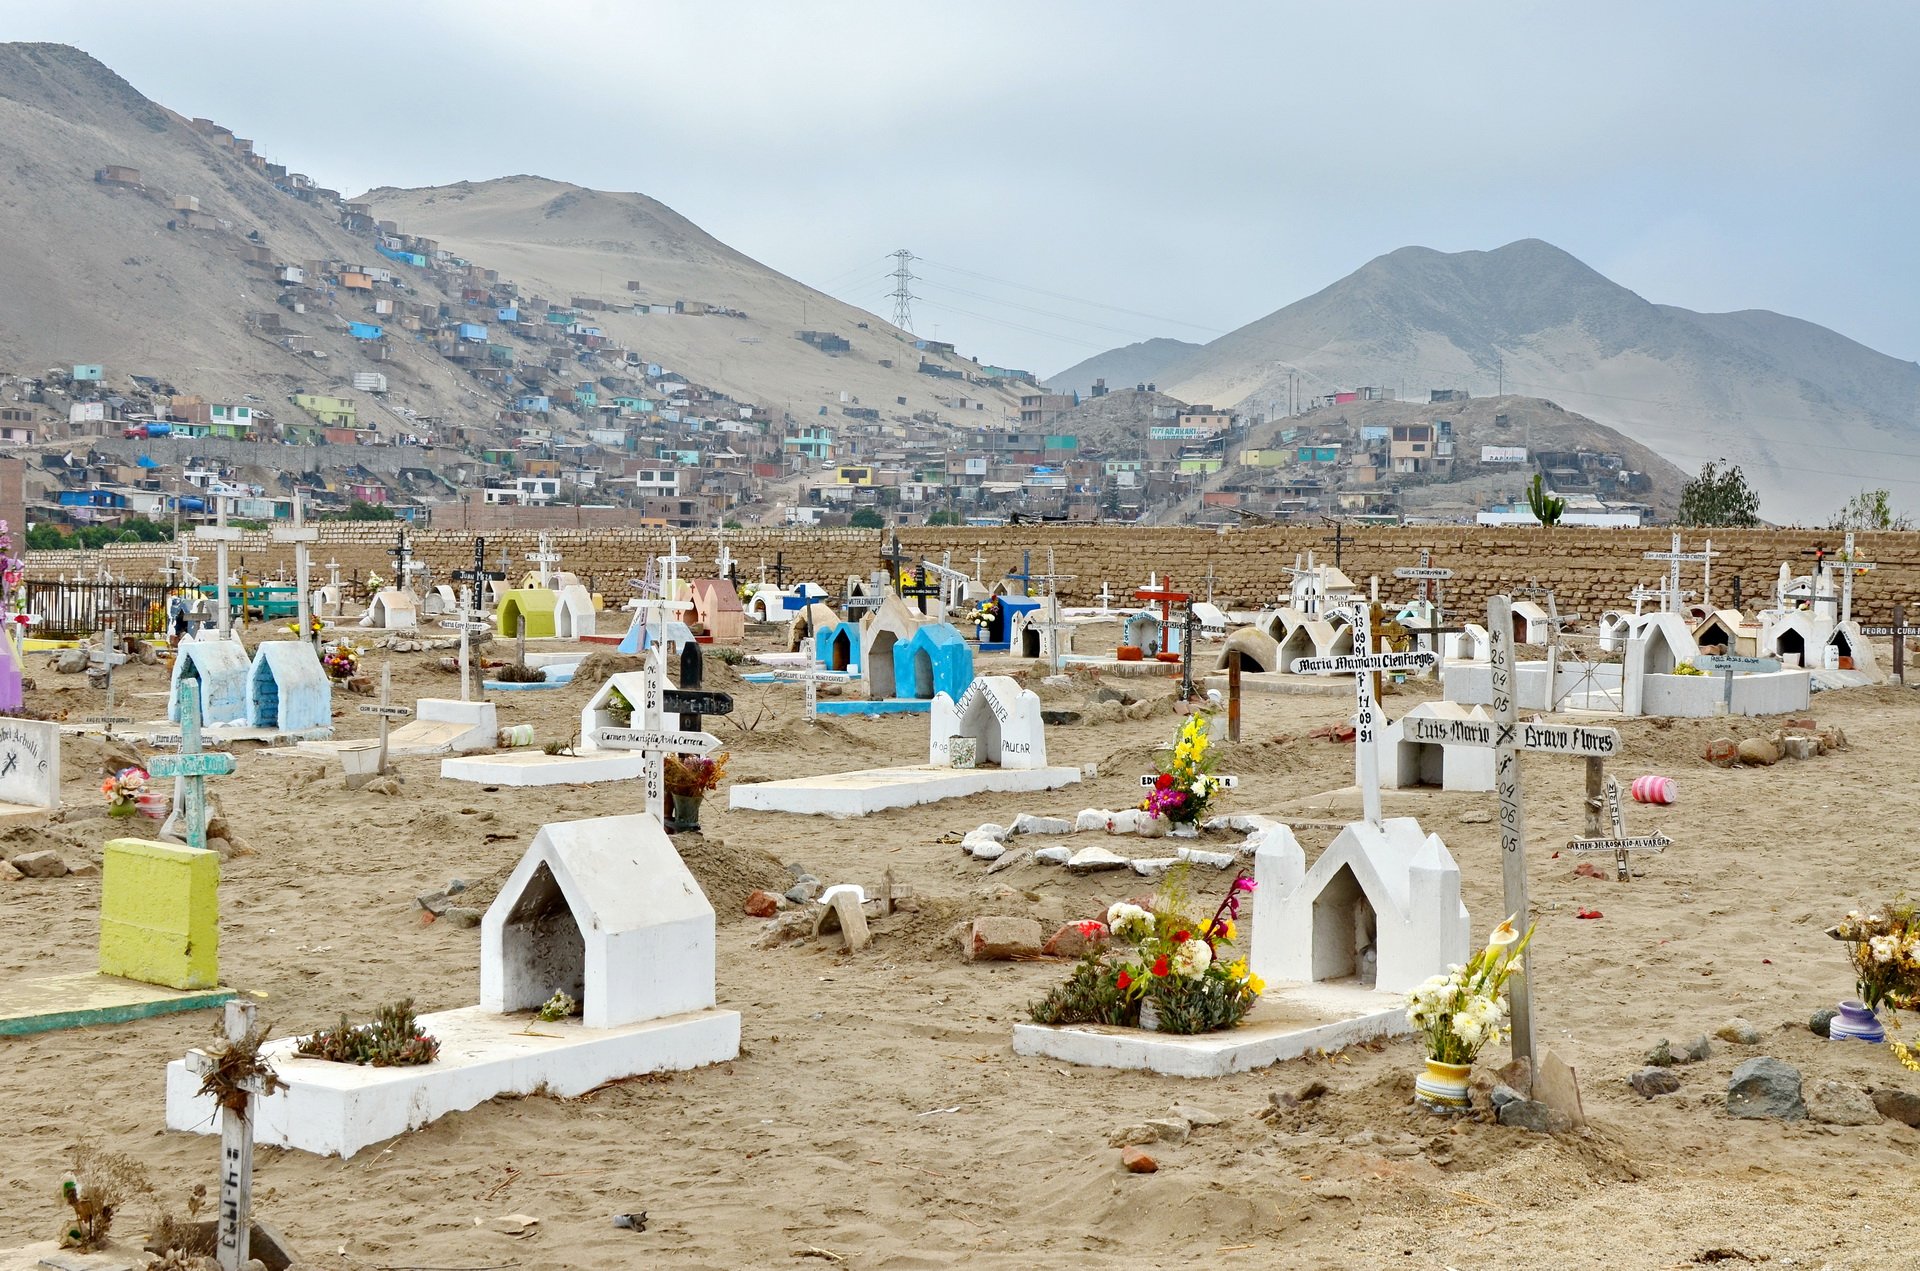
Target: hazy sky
pixel 1199 165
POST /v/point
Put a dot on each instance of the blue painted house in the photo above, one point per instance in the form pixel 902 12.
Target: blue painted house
pixel 472 331
pixel 533 403
pixel 364 330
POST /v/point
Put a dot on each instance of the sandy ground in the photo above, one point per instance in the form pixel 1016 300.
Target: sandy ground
pixel 877 1112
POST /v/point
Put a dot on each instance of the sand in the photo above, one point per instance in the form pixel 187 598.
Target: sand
pixel 877 1113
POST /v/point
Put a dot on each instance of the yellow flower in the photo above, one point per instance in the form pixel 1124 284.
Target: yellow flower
pixel 1229 932
pixel 1237 969
pixel 1256 984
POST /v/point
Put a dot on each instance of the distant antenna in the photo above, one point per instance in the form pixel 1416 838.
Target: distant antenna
pixel 903 290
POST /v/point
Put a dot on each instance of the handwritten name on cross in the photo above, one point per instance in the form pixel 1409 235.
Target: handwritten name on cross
pixel 1366 713
pixel 191 765
pixel 233 1225
pixel 809 676
pixel 1619 842
pixel 543 560
pixel 652 739
pixel 1674 558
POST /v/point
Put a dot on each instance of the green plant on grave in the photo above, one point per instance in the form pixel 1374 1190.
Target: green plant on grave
pixel 1546 507
pixel 619 709
pixel 727 654
pixel 518 673
pixel 1089 996
pixel 392 1039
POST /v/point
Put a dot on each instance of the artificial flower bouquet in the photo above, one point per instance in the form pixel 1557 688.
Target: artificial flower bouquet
pixel 1184 788
pixel 691 776
pixel 123 790
pixel 342 660
pixel 1459 1012
pixel 1157 966
pixel 1885 948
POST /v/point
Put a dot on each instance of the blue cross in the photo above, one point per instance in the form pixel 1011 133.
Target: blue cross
pixel 192 765
pixel 1025 576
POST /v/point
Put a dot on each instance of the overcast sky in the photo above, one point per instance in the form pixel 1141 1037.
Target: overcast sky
pixel 1197 164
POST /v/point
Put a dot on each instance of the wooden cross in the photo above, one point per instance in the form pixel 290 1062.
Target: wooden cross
pixel 1051 626
pixel 1619 842
pixel 219 534
pixel 192 765
pixel 894 560
pixel 1674 557
pixel 1168 598
pixel 102 661
pixel 233 1225
pixel 1849 566
pixel 1106 597
pixel 652 739
pixel 1189 636
pixel 388 712
pixel 1339 541
pixel 469 618
pixel 809 676
pixel 1900 631
pixel 979 563
pixel 544 558
pixel 1051 578
pixel 1363 666
pixel 779 569
pixel 300 534
pixel 402 555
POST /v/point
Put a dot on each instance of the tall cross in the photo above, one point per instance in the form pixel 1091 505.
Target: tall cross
pixel 388 712
pixel 1052 626
pixel 300 534
pixel 1189 636
pixel 1168 598
pixel 1052 578
pixel 233 1225
pixel 1363 666
pixel 1849 566
pixel 779 570
pixel 1339 541
pixel 542 559
pixel 219 534
pixel 894 559
pixel 979 563
pixel 191 764
pixel 651 738
pixel 107 657
pixel 723 560
pixel 468 620
pixel 1674 558
pixel 1429 577
pixel 402 554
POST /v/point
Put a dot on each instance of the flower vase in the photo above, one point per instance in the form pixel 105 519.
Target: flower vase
pixel 1149 1015
pixel 1856 1022
pixel 683 812
pixel 1443 1085
pixel 126 809
pixel 1157 827
pixel 1185 830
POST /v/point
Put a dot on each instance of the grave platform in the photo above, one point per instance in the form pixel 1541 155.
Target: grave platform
pixel 536 768
pixel 847 794
pixel 85 998
pixel 888 706
pixel 1291 1020
pixel 506 686
pixel 1146 668
pixel 225 734
pixel 14 815
pixel 334 1109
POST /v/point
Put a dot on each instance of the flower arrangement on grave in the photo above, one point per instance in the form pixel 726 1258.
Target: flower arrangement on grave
pixel 1157 966
pixel 97 1186
pixel 1884 946
pixel 619 709
pixel 123 790
pixel 293 628
pixel 342 660
pixel 692 776
pixel 1459 1012
pixel 557 1008
pixel 1183 789
pixel 982 615
pixel 392 1039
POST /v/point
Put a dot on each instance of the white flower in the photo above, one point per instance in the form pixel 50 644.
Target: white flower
pixel 1128 921
pixel 1192 958
pixel 1503 935
pixel 1885 948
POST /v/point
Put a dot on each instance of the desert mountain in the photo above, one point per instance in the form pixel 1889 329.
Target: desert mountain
pixel 1140 363
pixel 1810 415
pixel 561 241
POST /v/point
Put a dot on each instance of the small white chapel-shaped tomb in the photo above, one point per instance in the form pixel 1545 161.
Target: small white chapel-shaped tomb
pixel 392 609
pixel 1413 752
pixel 288 689
pixel 602 910
pixel 223 669
pixel 1002 718
pixel 574 615
pixel 889 626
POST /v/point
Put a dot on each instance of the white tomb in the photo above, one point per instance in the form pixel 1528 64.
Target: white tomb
pixel 1001 717
pixel 892 623
pixel 603 910
pixel 224 668
pixel 393 609
pixel 574 617
pixel 598 713
pixel 1414 752
pixel 29 770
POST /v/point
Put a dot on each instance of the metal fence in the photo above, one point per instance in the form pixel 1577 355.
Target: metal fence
pixel 79 609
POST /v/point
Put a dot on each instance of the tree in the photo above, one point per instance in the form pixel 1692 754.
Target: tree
pixel 361 510
pixel 940 516
pixel 866 519
pixel 1719 497
pixel 1546 507
pixel 1870 510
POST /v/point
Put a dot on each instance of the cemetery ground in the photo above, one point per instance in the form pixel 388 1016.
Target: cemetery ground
pixel 877 1117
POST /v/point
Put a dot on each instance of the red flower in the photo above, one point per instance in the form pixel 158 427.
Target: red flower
pixel 1181 937
pixel 1093 930
pixel 1124 982
pixel 1165 781
pixel 1160 966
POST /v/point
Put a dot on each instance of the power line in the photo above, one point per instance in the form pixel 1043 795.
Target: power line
pixel 1045 313
pixel 1056 295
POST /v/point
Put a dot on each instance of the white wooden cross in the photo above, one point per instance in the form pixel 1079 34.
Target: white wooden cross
pixel 300 534
pixel 1848 567
pixel 389 712
pixel 1619 842
pixel 979 563
pixel 809 676
pixel 1106 597
pixel 723 562
pixel 542 559
pixel 1366 752
pixel 651 738
pixel 233 1224
pixel 219 534
pixel 1674 557
pixel 467 620
pixel 105 658
pixel 658 609
pixel 1052 626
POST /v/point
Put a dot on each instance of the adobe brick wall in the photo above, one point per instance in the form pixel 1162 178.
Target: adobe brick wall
pixel 1590 570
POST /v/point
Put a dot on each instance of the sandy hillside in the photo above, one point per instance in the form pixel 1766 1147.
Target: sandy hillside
pixel 559 240
pixel 877 1117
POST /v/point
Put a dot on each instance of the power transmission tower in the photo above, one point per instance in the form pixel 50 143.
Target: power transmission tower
pixel 903 290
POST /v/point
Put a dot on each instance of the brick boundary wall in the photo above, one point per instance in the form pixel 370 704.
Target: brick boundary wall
pixel 1590 570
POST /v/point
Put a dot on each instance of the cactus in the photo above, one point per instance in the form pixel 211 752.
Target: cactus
pixel 1546 507
pixel 392 1040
